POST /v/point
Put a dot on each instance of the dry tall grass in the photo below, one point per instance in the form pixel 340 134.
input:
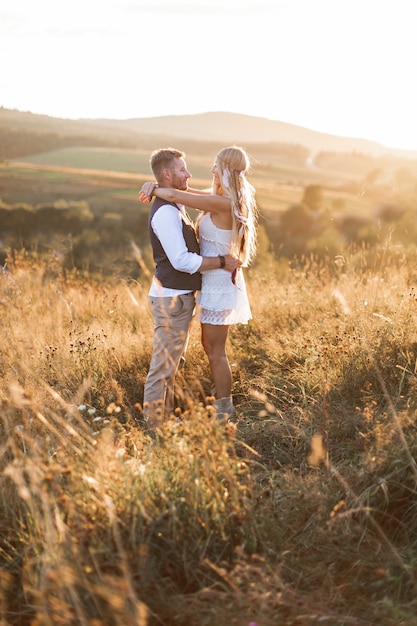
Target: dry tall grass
pixel 302 512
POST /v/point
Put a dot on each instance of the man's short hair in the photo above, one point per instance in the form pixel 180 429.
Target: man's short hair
pixel 163 158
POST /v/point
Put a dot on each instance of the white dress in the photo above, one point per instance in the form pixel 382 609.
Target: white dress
pixel 220 301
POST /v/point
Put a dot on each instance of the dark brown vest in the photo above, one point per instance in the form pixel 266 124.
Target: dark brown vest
pixel 167 275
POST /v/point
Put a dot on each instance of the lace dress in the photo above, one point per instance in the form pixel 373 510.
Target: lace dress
pixel 220 301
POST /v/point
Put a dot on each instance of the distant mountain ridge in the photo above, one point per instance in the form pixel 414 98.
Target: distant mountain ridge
pixel 239 128
pixel 204 127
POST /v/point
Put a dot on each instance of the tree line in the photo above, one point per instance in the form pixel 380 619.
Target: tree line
pixel 15 143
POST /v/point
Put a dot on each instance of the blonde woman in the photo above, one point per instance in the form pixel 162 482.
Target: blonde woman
pixel 227 225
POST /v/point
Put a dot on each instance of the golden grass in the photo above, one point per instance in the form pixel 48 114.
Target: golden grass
pixel 302 512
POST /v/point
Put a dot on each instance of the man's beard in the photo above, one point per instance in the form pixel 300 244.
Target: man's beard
pixel 181 185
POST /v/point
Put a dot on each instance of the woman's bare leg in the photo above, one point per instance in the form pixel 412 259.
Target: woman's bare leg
pixel 214 338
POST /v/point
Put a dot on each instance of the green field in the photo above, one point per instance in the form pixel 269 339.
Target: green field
pixel 131 161
pixel 278 184
pixel 137 161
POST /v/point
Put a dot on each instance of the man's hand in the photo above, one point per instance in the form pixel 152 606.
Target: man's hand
pixel 232 263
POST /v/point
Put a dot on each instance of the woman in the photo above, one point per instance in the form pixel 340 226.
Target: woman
pixel 227 225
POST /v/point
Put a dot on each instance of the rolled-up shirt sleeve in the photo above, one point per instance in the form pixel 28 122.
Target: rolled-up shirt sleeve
pixel 167 226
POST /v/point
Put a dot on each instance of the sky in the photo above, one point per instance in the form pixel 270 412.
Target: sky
pixel 344 67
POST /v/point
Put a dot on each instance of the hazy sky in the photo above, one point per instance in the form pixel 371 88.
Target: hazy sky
pixel 346 67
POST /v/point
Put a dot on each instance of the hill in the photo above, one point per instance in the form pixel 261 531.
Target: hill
pixel 205 127
pixel 238 128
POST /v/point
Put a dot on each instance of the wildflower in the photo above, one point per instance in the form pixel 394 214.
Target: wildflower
pixel 318 451
pixel 339 260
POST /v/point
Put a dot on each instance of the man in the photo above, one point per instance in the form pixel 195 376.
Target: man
pixel 178 264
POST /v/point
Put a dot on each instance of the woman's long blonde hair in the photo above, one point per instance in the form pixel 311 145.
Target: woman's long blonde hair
pixel 232 165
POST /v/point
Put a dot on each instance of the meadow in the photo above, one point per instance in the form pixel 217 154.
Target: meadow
pixel 302 511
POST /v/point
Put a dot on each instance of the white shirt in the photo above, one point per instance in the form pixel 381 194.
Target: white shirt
pixel 167 226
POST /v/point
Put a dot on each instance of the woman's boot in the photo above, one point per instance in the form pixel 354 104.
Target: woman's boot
pixel 224 408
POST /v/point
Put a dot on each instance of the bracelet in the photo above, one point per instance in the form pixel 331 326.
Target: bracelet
pixel 222 261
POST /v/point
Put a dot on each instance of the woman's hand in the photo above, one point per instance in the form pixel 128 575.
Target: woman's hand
pixel 146 193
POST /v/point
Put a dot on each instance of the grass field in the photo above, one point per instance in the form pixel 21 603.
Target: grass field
pixel 278 185
pixel 128 161
pixel 302 512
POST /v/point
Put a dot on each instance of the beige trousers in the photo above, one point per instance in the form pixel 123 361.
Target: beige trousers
pixel 172 320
